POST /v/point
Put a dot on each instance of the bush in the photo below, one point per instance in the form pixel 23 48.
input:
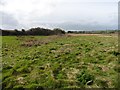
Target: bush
pixel 117 68
pixel 85 78
pixel 116 53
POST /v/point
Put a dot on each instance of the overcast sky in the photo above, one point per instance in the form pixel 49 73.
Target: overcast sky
pixel 66 14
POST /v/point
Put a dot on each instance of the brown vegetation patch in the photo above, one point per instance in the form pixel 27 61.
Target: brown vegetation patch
pixel 38 42
pixel 30 43
pixel 83 34
pixel 71 74
pixel 100 35
pixel 20 80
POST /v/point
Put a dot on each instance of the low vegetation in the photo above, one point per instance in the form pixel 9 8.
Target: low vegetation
pixel 60 61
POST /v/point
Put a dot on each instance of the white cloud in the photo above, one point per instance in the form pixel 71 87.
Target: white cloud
pixel 30 13
pixel 27 10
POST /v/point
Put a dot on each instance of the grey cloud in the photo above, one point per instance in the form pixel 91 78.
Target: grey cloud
pixel 92 26
pixel 2 3
pixel 8 21
pixel 78 26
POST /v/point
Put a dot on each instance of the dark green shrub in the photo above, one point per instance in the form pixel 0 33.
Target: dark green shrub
pixel 117 68
pixel 56 70
pixel 85 78
pixel 52 48
pixel 116 53
pixel 87 49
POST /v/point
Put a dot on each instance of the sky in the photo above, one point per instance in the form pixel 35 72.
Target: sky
pixel 65 14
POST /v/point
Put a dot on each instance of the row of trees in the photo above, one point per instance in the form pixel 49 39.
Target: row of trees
pixel 46 32
pixel 33 31
pixel 94 32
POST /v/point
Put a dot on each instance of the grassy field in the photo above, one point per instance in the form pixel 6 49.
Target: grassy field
pixel 70 61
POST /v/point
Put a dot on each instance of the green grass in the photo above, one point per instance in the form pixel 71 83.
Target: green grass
pixel 59 61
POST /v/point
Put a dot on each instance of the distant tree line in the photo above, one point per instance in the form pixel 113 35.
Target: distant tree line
pixel 95 32
pixel 33 31
pixel 47 32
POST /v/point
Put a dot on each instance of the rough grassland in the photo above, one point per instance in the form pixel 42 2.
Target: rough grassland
pixel 60 61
